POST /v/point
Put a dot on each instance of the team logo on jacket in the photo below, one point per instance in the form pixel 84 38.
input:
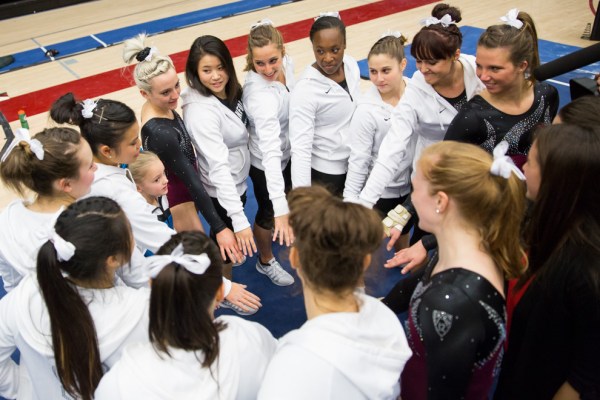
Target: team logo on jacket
pixel 442 322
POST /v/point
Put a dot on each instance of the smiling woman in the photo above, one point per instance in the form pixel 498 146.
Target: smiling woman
pixel 164 132
pixel 266 98
pixel 445 79
pixel 513 104
pixel 215 117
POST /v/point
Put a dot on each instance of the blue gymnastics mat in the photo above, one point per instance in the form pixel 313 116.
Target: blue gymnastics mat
pixel 109 38
pixel 549 51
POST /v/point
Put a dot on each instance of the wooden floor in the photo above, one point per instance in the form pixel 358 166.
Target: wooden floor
pixel 556 20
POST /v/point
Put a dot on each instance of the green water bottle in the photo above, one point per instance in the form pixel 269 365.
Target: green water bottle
pixel 23 119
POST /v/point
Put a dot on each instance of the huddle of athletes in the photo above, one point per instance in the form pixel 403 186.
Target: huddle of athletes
pixel 112 284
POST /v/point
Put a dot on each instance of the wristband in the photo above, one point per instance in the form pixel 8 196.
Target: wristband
pixel 396 218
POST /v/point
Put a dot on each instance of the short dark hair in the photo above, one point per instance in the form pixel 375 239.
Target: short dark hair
pixel 327 22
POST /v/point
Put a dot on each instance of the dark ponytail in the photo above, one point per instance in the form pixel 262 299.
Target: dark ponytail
pixel 107 126
pixel 180 300
pixel 98 229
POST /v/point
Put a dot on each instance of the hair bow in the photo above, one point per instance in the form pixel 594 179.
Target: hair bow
pixel 262 22
pixel 511 19
pixel 389 32
pixel 88 108
pixel 445 21
pixel 503 165
pixel 334 14
pixel 64 250
pixel 22 135
pixel 195 263
pixel 151 53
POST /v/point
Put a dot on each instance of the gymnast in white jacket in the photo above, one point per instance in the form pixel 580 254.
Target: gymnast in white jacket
pixel 352 346
pixel 266 96
pixel 191 355
pixel 371 121
pixel 444 82
pixel 57 166
pixel 112 130
pixel 214 116
pixel 70 322
pixel 321 106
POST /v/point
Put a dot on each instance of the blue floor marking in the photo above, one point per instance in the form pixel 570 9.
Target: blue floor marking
pixel 71 47
pixel 549 51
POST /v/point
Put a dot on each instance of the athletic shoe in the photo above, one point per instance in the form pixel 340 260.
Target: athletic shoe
pixel 241 262
pixel 227 304
pixel 275 272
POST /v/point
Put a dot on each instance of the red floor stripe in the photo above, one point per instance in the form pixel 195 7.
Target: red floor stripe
pixel 110 81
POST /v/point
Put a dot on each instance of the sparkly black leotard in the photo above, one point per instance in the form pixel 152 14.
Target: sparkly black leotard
pixel 480 123
pixel 169 139
pixel 456 330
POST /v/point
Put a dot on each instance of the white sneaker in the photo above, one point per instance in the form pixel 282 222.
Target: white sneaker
pixel 241 262
pixel 275 272
pixel 227 304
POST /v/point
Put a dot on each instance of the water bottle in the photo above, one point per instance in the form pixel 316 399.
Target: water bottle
pixel 23 119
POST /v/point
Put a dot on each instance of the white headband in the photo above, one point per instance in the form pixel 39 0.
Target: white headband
pixel 511 19
pixel 503 165
pixel 194 263
pixel 446 20
pixel 22 135
pixel 89 106
pixel 334 14
pixel 262 22
pixel 64 250
pixel 396 34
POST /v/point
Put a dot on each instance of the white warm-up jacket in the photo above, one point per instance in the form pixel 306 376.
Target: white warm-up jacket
pixel 120 316
pixel 221 141
pixel 341 355
pixel 421 113
pixel 370 123
pixel 245 349
pixel 320 113
pixel 267 106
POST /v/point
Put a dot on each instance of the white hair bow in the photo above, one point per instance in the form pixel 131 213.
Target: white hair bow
pixel 445 21
pixel 89 106
pixel 389 32
pixel 64 250
pixel 334 14
pixel 503 165
pixel 153 51
pixel 262 22
pixel 22 135
pixel 511 19
pixel 194 263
